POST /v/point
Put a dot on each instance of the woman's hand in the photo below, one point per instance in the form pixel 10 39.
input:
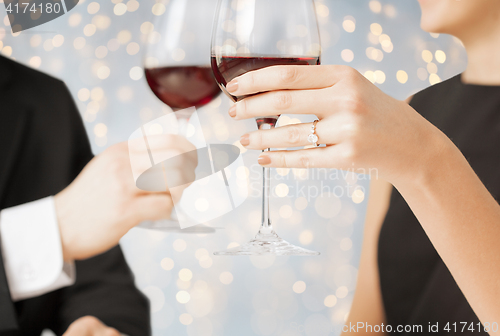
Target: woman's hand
pixel 103 203
pixel 363 128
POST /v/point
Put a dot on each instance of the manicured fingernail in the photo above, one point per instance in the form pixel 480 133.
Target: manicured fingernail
pixel 245 140
pixel 264 160
pixel 232 86
pixel 232 111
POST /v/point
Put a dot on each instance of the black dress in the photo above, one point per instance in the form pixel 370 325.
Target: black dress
pixel 417 288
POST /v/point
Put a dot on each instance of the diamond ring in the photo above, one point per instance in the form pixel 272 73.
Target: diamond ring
pixel 313 137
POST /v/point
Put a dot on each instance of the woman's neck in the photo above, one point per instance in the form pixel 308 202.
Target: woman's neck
pixel 483 52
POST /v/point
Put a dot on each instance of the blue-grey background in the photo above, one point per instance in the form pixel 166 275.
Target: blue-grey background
pixel 97 50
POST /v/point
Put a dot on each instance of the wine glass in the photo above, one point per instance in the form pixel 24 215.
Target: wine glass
pixel 177 70
pixel 250 35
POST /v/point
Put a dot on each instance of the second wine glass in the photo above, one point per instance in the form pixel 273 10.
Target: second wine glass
pixel 178 72
pixel 250 35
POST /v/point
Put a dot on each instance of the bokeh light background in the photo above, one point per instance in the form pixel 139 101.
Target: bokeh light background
pixel 97 50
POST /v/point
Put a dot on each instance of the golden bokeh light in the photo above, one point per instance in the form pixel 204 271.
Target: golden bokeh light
pixel 342 292
pixel 347 55
pixel 345 244
pixel 158 9
pixel 182 297
pixel 74 19
pixel 440 56
pixel 306 237
pixel 186 319
pixel 206 262
pixel 422 74
pixel 432 68
pixel 402 76
pixel 301 203
pixel 93 7
pixel 89 29
pixel 299 287
pixel 101 52
pixel 57 40
pixel 427 56
pixel 84 94
pixel 434 79
pixel 285 211
pixel 358 195
pixel 147 27
pixel 133 5
pixel 79 43
pixel 322 10
pixel 34 61
pixel 120 9
pixel 330 301
pixel 179 245
pixel 375 6
pixel 100 130
pixel 185 274
pixel 226 278
pixel 136 73
pixel 167 264
pixel 349 24
pixel 103 72
pixel 124 36
pixel 201 252
pixel 376 29
pixel 281 190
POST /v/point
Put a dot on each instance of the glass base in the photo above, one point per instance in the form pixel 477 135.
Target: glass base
pixel 267 242
pixel 169 225
pixel 173 225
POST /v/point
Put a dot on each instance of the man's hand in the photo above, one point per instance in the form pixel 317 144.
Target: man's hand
pixel 90 326
pixel 103 203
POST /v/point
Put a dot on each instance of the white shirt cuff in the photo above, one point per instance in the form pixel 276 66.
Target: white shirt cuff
pixel 32 251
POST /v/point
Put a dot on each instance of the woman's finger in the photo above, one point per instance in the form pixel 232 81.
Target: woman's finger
pixel 296 77
pixel 303 158
pixel 317 102
pixel 295 135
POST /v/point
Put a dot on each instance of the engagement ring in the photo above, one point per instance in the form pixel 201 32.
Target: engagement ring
pixel 313 137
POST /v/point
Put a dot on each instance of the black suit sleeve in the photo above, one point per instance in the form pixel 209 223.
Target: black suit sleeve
pixel 104 285
pixel 105 289
pixel 43 148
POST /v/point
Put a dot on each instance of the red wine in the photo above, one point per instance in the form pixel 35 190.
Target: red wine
pixel 226 68
pixel 183 86
pixel 270 120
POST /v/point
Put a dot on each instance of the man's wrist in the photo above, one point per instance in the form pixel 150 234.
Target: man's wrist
pixel 60 206
pixel 31 249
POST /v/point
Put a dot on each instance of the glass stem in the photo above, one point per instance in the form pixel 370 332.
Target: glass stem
pixel 266 193
pixel 182 122
pixel 176 216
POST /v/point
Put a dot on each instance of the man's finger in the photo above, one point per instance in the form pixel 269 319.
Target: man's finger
pixel 152 207
pixel 106 331
pixel 90 326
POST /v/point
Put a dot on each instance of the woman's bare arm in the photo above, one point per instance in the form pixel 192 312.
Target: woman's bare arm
pixel 462 220
pixel 362 128
pixel 367 305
